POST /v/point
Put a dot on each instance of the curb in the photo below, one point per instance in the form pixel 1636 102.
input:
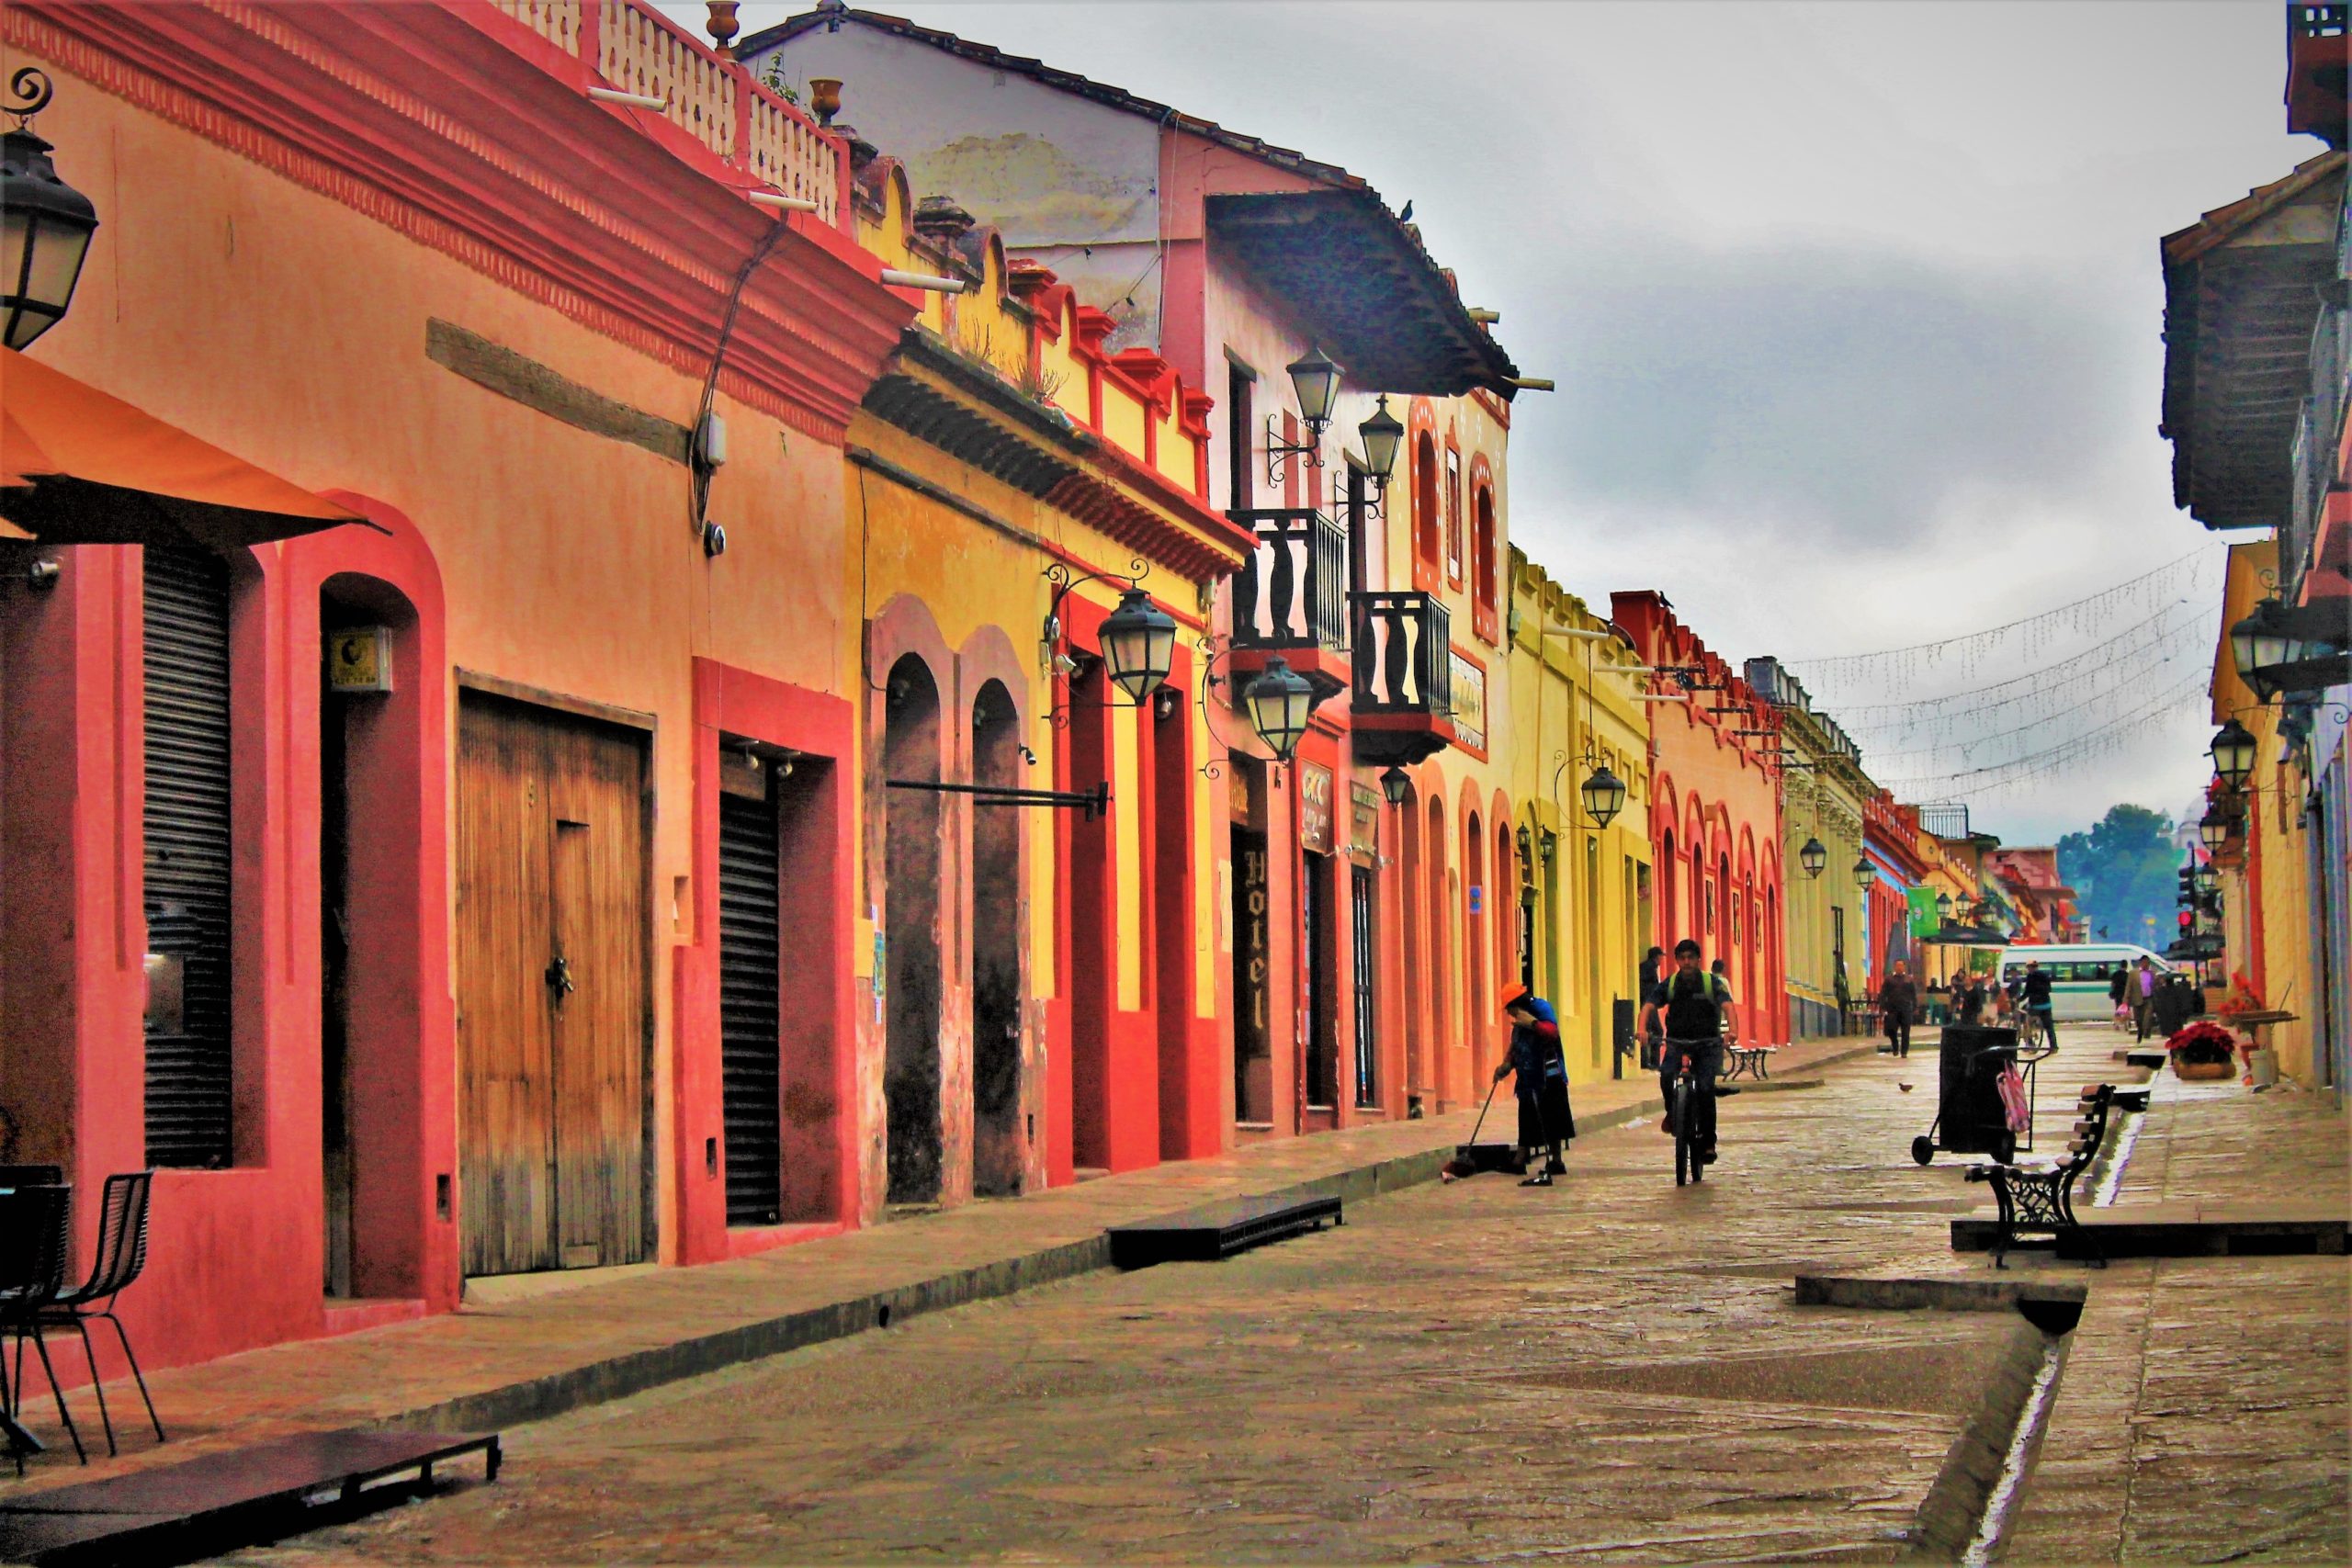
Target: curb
pixel 619 1377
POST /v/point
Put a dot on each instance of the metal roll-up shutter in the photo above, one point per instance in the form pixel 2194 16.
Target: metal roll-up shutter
pixel 187 725
pixel 748 960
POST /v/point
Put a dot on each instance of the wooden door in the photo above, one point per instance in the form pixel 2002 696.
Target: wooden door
pixel 550 989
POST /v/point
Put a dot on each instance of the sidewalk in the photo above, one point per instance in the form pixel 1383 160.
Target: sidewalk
pixel 572 1345
pixel 2203 1390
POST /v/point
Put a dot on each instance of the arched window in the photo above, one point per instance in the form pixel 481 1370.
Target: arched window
pixel 1481 564
pixel 1425 528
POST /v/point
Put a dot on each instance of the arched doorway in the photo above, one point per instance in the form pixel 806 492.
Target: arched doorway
pixel 1437 917
pixel 368 774
pixel 911 933
pixel 999 1149
pixel 1474 928
pixel 1414 941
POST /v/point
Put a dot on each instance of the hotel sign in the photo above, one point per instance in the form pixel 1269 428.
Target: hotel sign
pixel 1469 703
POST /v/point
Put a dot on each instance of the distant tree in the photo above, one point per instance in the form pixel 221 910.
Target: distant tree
pixel 2123 871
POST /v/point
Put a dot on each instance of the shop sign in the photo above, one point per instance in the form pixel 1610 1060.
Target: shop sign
pixel 1469 703
pixel 1364 838
pixel 1237 790
pixel 1314 808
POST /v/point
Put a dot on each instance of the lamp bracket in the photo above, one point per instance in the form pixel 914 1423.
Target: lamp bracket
pixel 1280 452
pixel 32 84
pixel 1065 579
pixel 1093 802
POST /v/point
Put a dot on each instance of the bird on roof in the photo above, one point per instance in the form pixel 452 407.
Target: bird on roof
pixel 1406 215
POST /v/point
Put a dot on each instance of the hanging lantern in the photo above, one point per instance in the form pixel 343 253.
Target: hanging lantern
pixel 1943 907
pixel 1138 643
pixel 1278 703
pixel 1395 785
pixel 1865 875
pixel 1812 857
pixel 2213 830
pixel 1315 380
pixel 2234 753
pixel 1604 795
pixel 2259 643
pixel 1381 435
pixel 45 224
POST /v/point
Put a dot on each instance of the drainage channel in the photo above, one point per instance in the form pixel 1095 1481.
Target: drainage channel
pixel 2000 1502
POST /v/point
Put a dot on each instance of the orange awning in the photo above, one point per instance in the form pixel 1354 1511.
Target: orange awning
pixel 80 467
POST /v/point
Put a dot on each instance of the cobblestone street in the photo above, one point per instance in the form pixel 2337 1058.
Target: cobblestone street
pixel 1611 1370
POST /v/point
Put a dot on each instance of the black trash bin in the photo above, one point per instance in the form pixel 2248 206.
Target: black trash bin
pixel 1970 1117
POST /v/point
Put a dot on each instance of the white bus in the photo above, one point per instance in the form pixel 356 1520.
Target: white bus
pixel 2080 974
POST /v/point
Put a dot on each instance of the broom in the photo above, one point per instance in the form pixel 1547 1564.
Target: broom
pixel 1457 1168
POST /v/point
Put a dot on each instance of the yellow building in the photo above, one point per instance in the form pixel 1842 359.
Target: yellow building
pixel 2268 916
pixel 1824 792
pixel 1586 914
pixel 1034 878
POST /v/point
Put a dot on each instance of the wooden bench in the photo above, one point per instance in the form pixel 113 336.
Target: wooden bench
pixel 1219 1230
pixel 223 1501
pixel 2038 1199
pixel 1747 1061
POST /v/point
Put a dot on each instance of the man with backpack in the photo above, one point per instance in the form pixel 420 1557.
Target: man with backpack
pixel 1692 1008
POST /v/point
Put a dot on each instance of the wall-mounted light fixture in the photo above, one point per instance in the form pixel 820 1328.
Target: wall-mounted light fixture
pixel 1865 875
pixel 1604 795
pixel 1812 857
pixel 2234 751
pixel 48 223
pixel 1137 639
pixel 1315 381
pixel 1395 785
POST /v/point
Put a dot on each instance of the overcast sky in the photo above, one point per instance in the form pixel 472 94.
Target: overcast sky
pixel 1854 309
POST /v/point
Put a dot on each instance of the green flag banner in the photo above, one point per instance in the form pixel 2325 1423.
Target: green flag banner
pixel 1923 918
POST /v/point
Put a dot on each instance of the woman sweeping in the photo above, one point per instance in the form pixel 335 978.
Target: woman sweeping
pixel 1542 1083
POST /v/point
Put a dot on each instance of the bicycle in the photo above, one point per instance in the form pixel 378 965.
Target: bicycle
pixel 1682 1112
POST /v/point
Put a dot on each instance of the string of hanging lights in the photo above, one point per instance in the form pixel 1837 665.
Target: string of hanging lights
pixel 2180 579
pixel 2160 635
pixel 2064 706
pixel 2108 739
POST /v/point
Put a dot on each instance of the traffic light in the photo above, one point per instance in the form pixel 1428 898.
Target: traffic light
pixel 2185 888
pixel 2188 921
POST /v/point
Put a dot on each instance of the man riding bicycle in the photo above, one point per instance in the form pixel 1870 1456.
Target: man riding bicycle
pixel 1693 1009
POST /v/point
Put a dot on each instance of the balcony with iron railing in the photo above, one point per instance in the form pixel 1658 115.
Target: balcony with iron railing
pixel 1291 597
pixel 1402 691
pixel 635 49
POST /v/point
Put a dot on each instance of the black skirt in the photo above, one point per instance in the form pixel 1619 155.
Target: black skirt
pixel 1546 1118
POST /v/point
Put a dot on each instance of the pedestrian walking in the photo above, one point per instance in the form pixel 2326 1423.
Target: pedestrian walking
pixel 2116 984
pixel 1968 998
pixel 1898 1001
pixel 1539 1082
pixel 2140 989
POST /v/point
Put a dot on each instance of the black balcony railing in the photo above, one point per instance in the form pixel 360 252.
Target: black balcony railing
pixel 1404 653
pixel 1293 592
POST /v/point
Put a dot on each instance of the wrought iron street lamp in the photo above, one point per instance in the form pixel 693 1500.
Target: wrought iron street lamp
pixel 2234 753
pixel 45 224
pixel 1315 381
pixel 1812 857
pixel 1865 875
pixel 1604 795
pixel 2213 830
pixel 1138 644
pixel 1395 785
pixel 1278 703
pixel 1943 907
pixel 2258 642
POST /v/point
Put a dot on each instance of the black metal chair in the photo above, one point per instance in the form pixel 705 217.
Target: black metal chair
pixel 121 1255
pixel 32 1277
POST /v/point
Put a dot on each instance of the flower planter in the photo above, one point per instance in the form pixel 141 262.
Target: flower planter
pixel 2196 1072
